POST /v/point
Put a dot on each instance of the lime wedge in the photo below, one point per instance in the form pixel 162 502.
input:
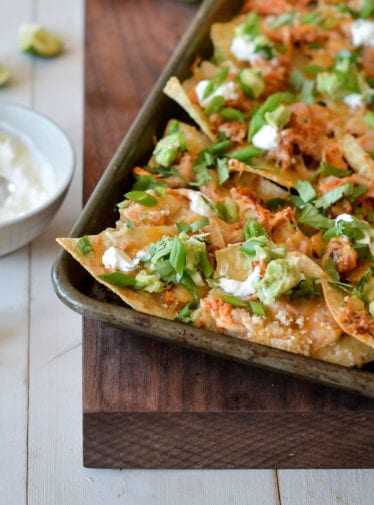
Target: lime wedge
pixel 35 39
pixel 4 75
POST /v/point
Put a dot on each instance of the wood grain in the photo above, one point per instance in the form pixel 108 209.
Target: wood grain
pixel 152 405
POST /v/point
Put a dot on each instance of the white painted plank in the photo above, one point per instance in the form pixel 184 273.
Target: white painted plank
pixel 326 487
pixel 56 474
pixel 14 292
pixel 183 487
pixel 14 274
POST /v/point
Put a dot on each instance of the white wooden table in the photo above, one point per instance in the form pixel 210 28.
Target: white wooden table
pixel 40 339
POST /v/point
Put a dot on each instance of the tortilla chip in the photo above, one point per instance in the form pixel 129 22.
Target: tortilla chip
pixel 222 35
pixel 205 71
pixel 285 178
pixel 337 302
pixel 347 351
pixel 149 303
pixel 359 159
pixel 175 91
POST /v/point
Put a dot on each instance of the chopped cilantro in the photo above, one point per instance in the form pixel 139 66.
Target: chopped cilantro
pixel 348 190
pixel 144 182
pixel 142 197
pixel 253 228
pixel 311 217
pixel 327 169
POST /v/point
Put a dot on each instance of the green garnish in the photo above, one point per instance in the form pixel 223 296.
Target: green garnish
pixel 348 190
pixel 311 217
pixel 215 104
pixel 257 308
pixel 142 197
pixel 84 245
pixel 184 315
pixel 118 279
pixel 272 102
pixel 246 153
pixel 367 9
pixel 199 223
pixel 232 114
pixel 216 82
pixel 222 170
pixel 369 118
pixel 307 288
pixel 327 169
pixel 178 256
pixel 253 228
pixel 233 300
pixel 144 182
pixel 284 19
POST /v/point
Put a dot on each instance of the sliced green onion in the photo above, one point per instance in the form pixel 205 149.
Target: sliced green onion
pixel 205 265
pixel 216 82
pixel 253 228
pixel 118 279
pixel 185 313
pixel 199 223
pixel 183 227
pixel 219 148
pixel 178 257
pixel 369 118
pixel 257 308
pixel 84 245
pixel 232 114
pixel 246 153
pixel 233 300
pixel 214 105
pixel 189 284
pixel 222 170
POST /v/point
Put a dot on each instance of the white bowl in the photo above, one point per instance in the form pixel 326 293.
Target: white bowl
pixel 53 144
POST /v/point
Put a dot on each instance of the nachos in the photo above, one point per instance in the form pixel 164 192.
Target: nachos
pixel 256 221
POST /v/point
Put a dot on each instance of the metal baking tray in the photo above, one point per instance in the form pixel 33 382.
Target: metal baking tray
pixel 76 288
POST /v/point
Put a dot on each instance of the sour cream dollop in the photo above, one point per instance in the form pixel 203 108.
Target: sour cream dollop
pixel 29 172
pixel 362 31
pixel 266 138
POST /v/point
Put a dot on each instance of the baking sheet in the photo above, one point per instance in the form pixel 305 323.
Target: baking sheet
pixel 81 293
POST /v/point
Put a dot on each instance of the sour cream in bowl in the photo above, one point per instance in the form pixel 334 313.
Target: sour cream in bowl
pixel 38 159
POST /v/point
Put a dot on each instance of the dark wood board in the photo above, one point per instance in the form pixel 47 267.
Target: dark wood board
pixel 148 404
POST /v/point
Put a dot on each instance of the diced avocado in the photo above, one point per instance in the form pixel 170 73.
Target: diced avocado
pixel 279 117
pixel 329 84
pixel 253 80
pixel 280 277
pixel 194 249
pixel 148 282
pixel 368 290
pixel 167 149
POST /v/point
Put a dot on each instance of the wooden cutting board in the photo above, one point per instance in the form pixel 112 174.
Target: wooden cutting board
pixel 148 404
